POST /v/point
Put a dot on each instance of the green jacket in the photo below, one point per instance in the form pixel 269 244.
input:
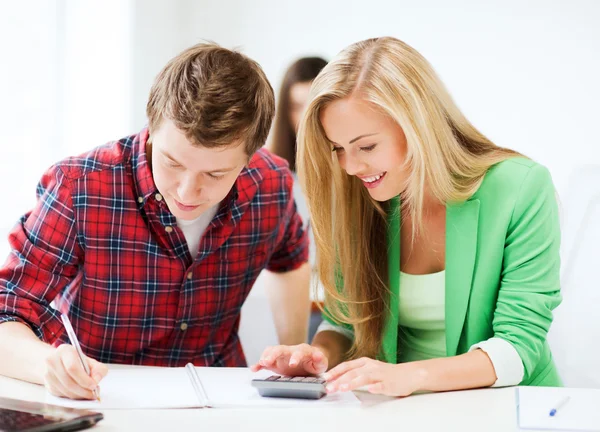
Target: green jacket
pixel 502 268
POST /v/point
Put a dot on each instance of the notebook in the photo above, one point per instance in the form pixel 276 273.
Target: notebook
pixel 580 413
pixel 156 387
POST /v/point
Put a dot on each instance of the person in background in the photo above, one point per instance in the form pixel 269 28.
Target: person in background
pixel 293 97
pixel 438 250
pixel 152 242
pixel 291 103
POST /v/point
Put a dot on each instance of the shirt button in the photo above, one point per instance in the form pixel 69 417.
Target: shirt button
pixel 169 229
pixel 158 197
pixel 140 199
pixel 183 326
pixel 190 275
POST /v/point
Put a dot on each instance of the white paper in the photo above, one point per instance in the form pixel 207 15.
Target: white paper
pixel 155 388
pixel 580 413
pixel 231 387
pixel 139 388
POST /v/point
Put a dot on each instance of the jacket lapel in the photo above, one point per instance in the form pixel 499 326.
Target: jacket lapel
pixel 461 249
pixel 390 334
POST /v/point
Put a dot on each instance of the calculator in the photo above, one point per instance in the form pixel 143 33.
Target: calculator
pixel 291 387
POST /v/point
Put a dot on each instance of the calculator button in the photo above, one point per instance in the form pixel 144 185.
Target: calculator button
pixel 273 378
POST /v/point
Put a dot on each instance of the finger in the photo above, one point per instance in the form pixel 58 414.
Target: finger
pixel 272 356
pixel 265 355
pixel 317 364
pixel 281 356
pixel 75 371
pixel 377 388
pixel 343 368
pixel 256 367
pixel 67 386
pixel 343 380
pixel 97 370
pixel 301 354
pixel 359 381
pixel 53 385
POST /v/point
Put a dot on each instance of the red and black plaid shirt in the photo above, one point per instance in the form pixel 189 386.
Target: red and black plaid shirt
pixel 99 238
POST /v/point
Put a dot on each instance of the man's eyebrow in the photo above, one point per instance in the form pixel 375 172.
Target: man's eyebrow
pixel 166 154
pixel 212 171
pixel 222 170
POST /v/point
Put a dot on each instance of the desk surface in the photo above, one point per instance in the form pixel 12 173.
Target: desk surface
pixel 473 410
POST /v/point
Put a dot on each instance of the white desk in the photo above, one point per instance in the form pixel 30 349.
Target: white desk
pixel 474 410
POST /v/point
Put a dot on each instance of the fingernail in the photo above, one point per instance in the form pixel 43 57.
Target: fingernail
pixel 97 378
pixel 326 376
pixel 344 387
pixel 293 362
pixel 330 388
pixel 268 359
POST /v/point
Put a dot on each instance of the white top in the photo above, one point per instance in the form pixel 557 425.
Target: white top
pixel 422 313
pixel 193 230
pixel 421 317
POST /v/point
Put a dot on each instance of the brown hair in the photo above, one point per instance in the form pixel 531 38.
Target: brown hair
pixel 444 151
pixel 215 96
pixel 283 139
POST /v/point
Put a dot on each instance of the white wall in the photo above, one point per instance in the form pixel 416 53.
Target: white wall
pixel 525 73
pixel 65 86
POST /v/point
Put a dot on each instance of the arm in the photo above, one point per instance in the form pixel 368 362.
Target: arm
pixel 44 259
pixel 288 279
pixel 26 358
pixel 529 291
pixel 466 371
pixel 530 284
pixel 334 345
pixel 290 302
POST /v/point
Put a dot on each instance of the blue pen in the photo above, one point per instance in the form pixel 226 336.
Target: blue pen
pixel 559 405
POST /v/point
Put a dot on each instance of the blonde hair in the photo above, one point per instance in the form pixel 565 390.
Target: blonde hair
pixel 444 151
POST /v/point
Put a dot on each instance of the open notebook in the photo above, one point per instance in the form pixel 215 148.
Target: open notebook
pixel 154 387
pixel 580 413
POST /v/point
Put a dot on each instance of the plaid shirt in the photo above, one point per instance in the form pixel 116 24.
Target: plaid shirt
pixel 102 238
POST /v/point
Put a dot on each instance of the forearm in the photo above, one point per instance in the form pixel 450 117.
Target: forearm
pixel 289 297
pixel 466 371
pixel 334 345
pixel 23 354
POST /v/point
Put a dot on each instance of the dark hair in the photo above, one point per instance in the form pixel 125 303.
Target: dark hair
pixel 215 96
pixel 283 139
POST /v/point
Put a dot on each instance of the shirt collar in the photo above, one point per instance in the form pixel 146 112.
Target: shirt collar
pixel 141 168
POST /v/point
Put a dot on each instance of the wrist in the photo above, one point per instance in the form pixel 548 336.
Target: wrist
pixel 422 376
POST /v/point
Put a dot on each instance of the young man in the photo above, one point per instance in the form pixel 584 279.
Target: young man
pixel 153 242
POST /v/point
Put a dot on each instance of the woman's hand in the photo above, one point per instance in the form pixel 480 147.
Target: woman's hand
pixel 294 360
pixel 378 377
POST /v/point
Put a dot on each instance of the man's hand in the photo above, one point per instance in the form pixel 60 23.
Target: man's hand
pixel 66 377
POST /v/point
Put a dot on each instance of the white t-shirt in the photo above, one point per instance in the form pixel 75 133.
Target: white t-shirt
pixel 193 230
